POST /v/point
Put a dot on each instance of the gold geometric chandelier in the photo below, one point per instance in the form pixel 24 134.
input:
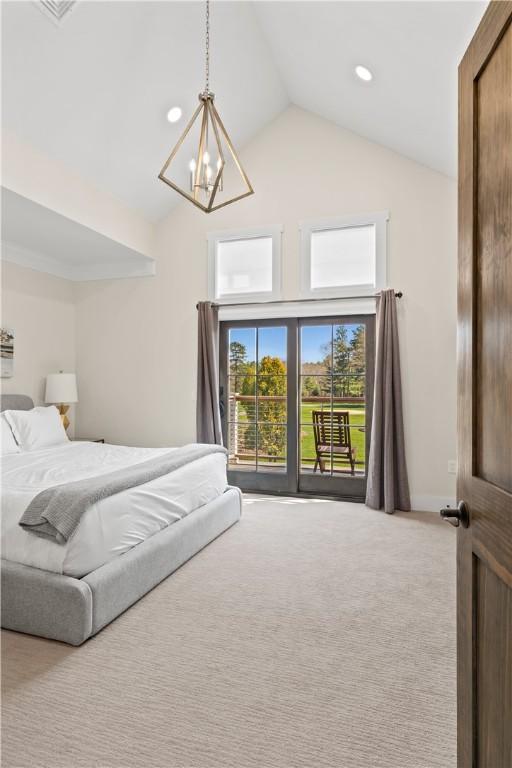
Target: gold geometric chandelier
pixel 204 166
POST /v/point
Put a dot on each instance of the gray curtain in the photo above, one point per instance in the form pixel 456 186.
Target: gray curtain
pixel 388 486
pixel 208 409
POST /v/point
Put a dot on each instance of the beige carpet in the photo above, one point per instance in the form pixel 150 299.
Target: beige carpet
pixel 313 633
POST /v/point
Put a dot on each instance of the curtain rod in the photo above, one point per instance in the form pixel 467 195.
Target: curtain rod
pixel 398 295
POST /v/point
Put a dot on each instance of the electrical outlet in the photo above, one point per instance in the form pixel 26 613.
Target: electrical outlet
pixel 452 467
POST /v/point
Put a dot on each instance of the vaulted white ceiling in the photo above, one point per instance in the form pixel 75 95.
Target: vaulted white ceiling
pixel 413 50
pixel 94 92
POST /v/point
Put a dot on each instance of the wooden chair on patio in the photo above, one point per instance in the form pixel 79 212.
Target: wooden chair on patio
pixel 332 428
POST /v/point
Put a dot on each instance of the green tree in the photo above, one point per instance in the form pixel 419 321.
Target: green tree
pixel 237 363
pixel 272 376
pixel 247 388
pixel 271 412
pixel 357 361
pixel 242 379
pixel 271 392
pixel 341 350
pixel 340 361
pixel 248 385
pixel 310 387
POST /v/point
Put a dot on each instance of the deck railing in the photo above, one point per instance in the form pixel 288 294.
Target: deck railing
pixel 239 451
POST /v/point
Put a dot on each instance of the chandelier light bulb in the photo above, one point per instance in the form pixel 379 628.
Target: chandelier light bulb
pixel 206 158
pixel 192 165
pixel 219 173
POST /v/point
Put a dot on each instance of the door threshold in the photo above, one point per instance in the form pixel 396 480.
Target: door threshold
pixel 303 495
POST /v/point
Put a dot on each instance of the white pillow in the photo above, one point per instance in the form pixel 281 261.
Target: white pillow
pixel 38 428
pixel 9 444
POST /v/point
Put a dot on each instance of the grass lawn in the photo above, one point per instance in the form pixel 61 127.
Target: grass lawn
pixel 307 439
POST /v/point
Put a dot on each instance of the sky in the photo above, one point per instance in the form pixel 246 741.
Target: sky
pixel 272 341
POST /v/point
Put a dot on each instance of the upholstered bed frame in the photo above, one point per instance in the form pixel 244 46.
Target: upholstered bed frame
pixel 63 608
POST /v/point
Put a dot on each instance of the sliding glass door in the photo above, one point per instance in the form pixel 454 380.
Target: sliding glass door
pixel 294 397
pixel 335 394
pixel 258 361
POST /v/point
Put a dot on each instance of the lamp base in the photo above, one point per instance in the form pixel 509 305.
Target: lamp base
pixel 63 409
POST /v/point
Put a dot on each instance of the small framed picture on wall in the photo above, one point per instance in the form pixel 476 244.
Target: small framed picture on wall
pixel 6 352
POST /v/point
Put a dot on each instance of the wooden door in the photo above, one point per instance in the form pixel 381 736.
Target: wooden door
pixel 484 548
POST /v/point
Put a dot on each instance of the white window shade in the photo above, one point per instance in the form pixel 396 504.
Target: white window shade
pixel 344 257
pixel 244 266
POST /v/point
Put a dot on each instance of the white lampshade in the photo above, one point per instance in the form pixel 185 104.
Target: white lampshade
pixel 61 388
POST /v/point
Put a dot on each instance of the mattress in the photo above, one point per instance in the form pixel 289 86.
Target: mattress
pixel 115 524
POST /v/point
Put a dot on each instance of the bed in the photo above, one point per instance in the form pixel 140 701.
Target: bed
pixel 124 545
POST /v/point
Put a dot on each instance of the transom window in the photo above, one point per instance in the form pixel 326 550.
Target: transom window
pixel 343 257
pixel 245 265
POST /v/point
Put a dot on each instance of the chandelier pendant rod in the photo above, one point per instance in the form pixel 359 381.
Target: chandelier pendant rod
pixel 207 53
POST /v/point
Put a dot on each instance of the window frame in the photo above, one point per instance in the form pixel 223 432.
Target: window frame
pixel 379 220
pixel 214 238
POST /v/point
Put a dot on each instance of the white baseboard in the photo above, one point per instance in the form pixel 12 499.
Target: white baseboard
pixel 424 503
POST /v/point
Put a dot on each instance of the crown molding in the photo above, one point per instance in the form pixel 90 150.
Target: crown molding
pixel 24 257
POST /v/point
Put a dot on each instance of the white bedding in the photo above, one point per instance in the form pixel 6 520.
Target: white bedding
pixel 113 525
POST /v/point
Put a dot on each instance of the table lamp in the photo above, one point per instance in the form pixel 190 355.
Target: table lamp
pixel 61 391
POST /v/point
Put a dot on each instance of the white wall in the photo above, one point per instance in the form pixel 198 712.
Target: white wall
pixel 40 309
pixel 137 338
pixel 34 175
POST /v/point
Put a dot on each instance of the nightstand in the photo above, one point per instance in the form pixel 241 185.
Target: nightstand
pixel 88 439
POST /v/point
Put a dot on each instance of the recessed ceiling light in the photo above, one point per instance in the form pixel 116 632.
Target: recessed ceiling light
pixel 174 114
pixel 363 73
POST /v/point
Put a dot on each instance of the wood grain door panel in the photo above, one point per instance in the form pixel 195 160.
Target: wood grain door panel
pixel 484 482
pixel 493 669
pixel 493 278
